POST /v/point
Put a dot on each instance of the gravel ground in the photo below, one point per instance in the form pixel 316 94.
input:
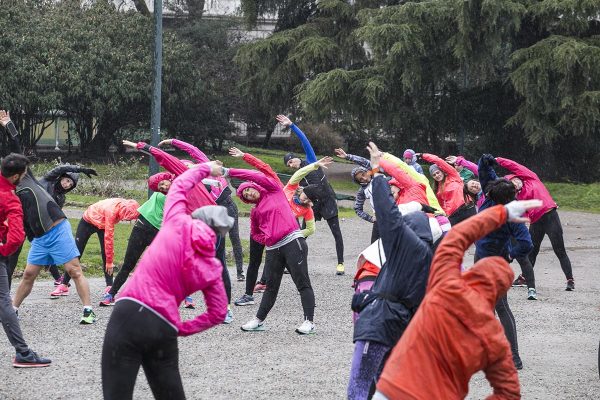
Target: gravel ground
pixel 558 335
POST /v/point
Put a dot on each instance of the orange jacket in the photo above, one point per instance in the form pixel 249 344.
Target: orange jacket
pixel 105 214
pixel 455 334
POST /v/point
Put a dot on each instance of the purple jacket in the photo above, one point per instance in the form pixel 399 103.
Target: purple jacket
pixel 180 261
pixel 533 188
pixel 271 218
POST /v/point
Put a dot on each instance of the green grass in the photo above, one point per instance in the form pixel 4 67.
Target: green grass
pixel 576 197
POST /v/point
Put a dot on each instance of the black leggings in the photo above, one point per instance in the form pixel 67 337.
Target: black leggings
pixel 13 260
pixel 294 256
pixel 136 336
pixel 220 254
pixel 234 236
pixel 84 231
pixel 550 225
pixel 507 319
pixel 142 234
pixel 334 226
pixel 256 254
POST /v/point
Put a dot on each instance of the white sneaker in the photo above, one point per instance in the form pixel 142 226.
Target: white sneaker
pixel 254 325
pixel 307 328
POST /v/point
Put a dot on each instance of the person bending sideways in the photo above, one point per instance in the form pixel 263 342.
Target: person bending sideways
pixel 455 334
pixel 145 322
pixel 12 235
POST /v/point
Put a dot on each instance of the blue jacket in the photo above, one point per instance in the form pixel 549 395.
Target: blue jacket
pixel 407 242
pixel 498 243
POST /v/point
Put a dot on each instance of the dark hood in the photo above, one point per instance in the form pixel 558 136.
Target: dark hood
pixel 419 223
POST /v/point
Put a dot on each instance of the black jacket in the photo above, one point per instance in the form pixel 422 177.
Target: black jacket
pixel 401 283
pixel 319 191
pixel 51 181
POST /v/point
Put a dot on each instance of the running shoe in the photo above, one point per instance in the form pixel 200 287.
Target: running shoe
pixel 254 325
pixel 260 287
pixel 58 281
pixel 229 317
pixel 520 282
pixel 570 285
pixel 30 360
pixel 61 290
pixel 107 300
pixel 107 289
pixel 245 300
pixel 189 303
pixel 89 317
pixel 307 328
pixel 339 270
pixel 531 294
pixel 518 362
pixel 241 277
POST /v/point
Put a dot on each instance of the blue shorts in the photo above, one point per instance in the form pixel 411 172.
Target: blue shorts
pixel 55 247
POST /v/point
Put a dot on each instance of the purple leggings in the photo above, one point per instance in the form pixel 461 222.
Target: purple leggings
pixel 367 363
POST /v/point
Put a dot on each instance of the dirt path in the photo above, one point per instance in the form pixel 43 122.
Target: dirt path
pixel 558 335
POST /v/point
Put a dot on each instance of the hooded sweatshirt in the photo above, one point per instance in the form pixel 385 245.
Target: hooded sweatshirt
pixel 106 214
pixel 271 219
pixel 12 233
pixel 533 188
pixel 51 181
pixel 400 286
pixel 413 160
pixel 450 193
pixel 455 333
pixel 431 198
pixel 180 261
pixel 410 190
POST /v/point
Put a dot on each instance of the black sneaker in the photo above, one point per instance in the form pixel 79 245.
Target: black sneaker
pixel 241 277
pixel 30 360
pixel 570 285
pixel 520 282
pixel 518 362
pixel 245 300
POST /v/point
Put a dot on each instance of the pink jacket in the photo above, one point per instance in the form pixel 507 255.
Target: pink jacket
pixel 180 261
pixel 199 196
pixel 533 188
pixel 105 214
pixel 201 158
pixel 271 218
pixel 262 167
pixel 450 193
pixel 471 166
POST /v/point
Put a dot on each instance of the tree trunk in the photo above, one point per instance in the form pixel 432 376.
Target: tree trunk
pixel 142 8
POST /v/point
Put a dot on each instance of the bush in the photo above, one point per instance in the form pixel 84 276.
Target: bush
pixel 323 138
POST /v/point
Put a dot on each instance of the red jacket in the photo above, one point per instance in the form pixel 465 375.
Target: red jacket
pixel 455 334
pixel 12 233
pixel 410 190
pixel 450 193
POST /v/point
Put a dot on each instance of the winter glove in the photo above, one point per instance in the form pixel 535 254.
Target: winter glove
pixel 89 172
pixel 489 160
pixel 428 209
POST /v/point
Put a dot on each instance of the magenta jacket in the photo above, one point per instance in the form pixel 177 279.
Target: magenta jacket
pixel 533 188
pixel 201 158
pixel 271 218
pixel 471 166
pixel 180 261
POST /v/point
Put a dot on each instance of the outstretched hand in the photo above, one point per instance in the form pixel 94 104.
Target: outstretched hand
pixel 128 143
pixel 516 209
pixel 283 120
pixel 165 142
pixel 325 161
pixel 451 159
pixel 340 153
pixel 216 168
pixel 375 154
pixel 4 117
pixel 235 152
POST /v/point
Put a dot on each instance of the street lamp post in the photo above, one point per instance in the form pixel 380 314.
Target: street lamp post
pixel 157 86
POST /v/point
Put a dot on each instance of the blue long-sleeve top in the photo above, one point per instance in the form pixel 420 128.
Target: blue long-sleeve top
pixel 311 157
pixel 498 243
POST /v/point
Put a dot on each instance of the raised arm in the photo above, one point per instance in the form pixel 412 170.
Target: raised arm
pixel 361 161
pixel 311 157
pixel 55 173
pixel 398 174
pixel 406 168
pixel 256 177
pixel 301 173
pixel 165 160
pixel 486 170
pixel 177 199
pixel 192 150
pixel 517 169
pixel 450 253
pixel 13 133
pixel 443 165
pixel 262 167
pixel 471 166
pixel 216 309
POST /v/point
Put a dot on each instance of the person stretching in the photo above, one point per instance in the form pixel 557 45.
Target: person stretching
pixel 321 194
pixel 455 332
pixel 145 322
pixel 143 233
pixel 273 224
pixel 544 220
pixel 410 158
pixel 100 218
pixel 12 234
pixel 50 234
pixel 387 309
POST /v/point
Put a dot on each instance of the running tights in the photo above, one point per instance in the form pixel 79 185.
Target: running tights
pixel 234 236
pixel 550 225
pixel 136 336
pixel 294 255
pixel 220 254
pixel 507 320
pixel 334 226
pixel 367 363
pixel 256 254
